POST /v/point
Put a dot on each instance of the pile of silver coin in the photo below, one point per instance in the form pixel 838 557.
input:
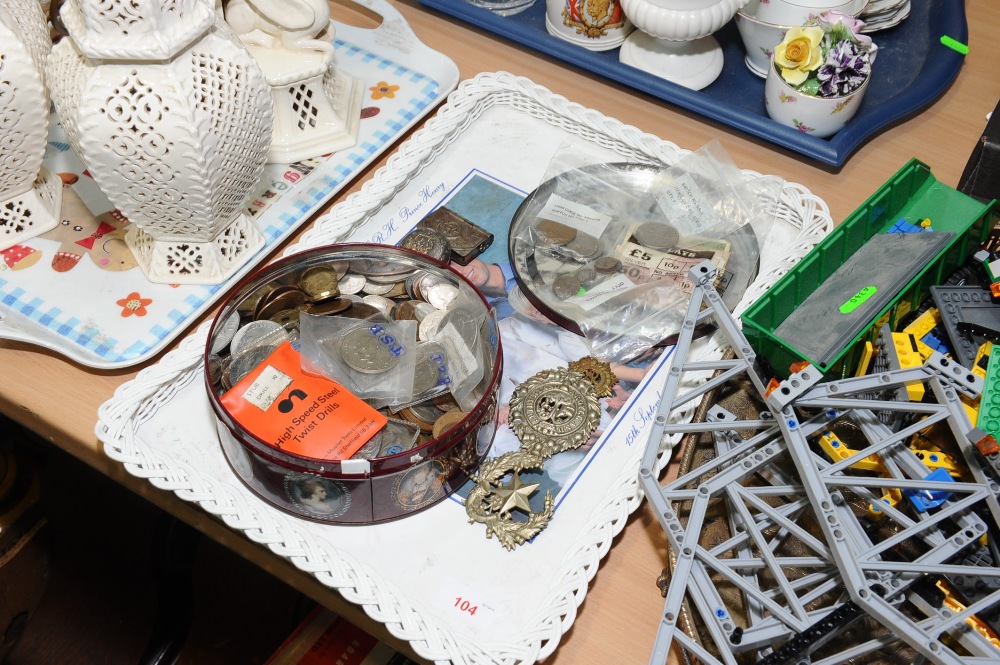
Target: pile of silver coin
pixel 369 289
pixel 572 262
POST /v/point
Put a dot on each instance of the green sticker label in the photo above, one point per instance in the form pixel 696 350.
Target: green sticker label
pixel 861 296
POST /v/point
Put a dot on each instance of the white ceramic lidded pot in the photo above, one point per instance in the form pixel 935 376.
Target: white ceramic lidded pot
pixel 172 118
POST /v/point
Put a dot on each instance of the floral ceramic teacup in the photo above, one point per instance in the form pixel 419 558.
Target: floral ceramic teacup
pixel 819 74
pixel 818 116
pixel 759 38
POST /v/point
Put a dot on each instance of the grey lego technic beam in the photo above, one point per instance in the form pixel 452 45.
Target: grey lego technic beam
pixel 845 559
pixel 714 480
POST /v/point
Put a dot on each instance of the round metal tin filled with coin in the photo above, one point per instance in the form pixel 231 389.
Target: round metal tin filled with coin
pixel 565 268
pixel 421 454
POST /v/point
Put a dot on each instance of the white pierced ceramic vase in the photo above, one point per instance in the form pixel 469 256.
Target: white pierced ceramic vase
pixel 30 196
pixel 176 136
pixel 817 116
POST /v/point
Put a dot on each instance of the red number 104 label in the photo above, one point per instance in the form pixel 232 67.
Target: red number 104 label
pixel 465 605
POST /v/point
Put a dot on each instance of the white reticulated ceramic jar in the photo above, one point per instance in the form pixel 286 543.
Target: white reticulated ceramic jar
pixel 30 196
pixel 172 118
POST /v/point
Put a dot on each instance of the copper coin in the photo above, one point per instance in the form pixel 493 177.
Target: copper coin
pixel 328 307
pixel 565 286
pixel 249 304
pixel 359 310
pixel 405 311
pixel 447 421
pixel 412 285
pixel 282 297
pixel 319 282
pixel 554 233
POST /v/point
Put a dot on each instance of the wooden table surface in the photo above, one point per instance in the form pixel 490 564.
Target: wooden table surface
pixel 618 619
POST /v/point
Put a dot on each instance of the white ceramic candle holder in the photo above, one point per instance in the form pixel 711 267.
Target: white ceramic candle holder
pixel 317 108
pixel 30 196
pixel 172 118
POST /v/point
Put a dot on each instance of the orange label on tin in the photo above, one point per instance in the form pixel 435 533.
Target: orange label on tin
pixel 300 413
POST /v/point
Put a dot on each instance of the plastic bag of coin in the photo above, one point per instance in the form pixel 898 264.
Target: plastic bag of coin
pixel 431 376
pixel 581 208
pixel 460 334
pixel 703 195
pixel 624 326
pixel 374 358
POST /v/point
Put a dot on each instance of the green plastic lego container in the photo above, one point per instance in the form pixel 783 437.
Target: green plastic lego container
pixel 912 194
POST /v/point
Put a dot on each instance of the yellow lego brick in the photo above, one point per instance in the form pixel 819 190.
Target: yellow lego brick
pixel 837 451
pixel 866 359
pixel 892 497
pixel 924 323
pixel 933 459
pixel 908 355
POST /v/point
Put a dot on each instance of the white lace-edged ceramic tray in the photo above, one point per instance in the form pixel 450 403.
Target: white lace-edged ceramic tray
pixel 483 150
pixel 76 289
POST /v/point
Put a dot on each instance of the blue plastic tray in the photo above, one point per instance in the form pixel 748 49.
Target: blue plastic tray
pixel 911 71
